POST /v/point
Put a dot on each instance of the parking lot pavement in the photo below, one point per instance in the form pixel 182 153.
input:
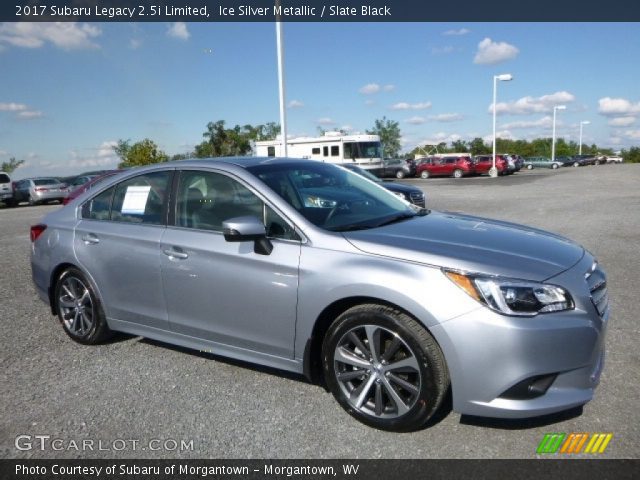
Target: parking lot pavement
pixel 135 389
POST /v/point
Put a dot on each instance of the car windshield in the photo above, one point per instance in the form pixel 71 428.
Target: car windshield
pixel 46 181
pixel 333 198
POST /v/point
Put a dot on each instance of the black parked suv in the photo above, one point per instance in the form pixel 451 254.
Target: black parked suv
pixel 407 192
pixel 586 159
pixel 395 167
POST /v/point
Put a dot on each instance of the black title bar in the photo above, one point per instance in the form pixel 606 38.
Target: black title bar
pixel 317 10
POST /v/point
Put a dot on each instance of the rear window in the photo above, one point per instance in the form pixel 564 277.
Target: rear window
pixel 46 181
pixel 4 178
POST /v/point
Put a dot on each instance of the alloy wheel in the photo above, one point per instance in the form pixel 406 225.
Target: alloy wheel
pixel 377 371
pixel 76 308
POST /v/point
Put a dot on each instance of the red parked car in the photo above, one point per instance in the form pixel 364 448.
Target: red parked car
pixel 88 185
pixel 455 166
pixel 483 164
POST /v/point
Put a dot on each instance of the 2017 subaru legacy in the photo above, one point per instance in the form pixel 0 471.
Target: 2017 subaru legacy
pixel 308 267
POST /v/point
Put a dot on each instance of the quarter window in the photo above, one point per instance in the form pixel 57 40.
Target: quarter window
pixel 335 150
pixel 315 151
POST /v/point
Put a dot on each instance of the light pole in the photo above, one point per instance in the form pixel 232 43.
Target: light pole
pixel 505 77
pixel 553 138
pixel 281 90
pixel 585 122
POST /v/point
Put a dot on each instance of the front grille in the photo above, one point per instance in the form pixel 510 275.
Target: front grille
pixel 597 282
pixel 417 199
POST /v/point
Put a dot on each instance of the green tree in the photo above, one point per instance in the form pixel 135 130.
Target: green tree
pixel 145 152
pixel 389 133
pixel 478 147
pixel 632 155
pixel 11 165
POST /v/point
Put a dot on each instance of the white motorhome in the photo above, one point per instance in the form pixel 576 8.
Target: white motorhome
pixel 332 147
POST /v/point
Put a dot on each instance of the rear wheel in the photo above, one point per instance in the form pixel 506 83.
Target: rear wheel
pixel 457 173
pixel 400 174
pixel 529 167
pixel 576 164
pixel 32 202
pixel 424 174
pixel 384 368
pixel 554 166
pixel 79 309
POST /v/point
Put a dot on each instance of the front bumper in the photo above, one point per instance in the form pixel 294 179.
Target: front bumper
pixel 488 354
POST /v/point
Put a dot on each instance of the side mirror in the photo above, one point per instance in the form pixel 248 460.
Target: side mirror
pixel 245 229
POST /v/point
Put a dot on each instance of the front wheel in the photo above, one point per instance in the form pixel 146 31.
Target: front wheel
pixel 529 167
pixel 79 309
pixel 384 368
pixel 457 173
pixel 576 164
pixel 424 174
pixel 554 166
pixel 400 174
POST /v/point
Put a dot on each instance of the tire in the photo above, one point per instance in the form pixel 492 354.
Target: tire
pixel 366 384
pixel 424 174
pixel 576 164
pixel 457 173
pixel 529 167
pixel 400 174
pixel 554 166
pixel 32 202
pixel 597 162
pixel 79 309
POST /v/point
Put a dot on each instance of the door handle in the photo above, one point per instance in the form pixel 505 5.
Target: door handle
pixel 90 239
pixel 170 252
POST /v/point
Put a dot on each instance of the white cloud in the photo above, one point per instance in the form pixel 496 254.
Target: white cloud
pixel 447 117
pixel 622 121
pixel 346 128
pixel 459 32
pixel 3 153
pixel 615 107
pixel 491 53
pixel 12 107
pixel 506 134
pixel 65 35
pixel 102 156
pixel 440 137
pixel 370 88
pixel 544 122
pixel 325 121
pixel 416 120
pixel 411 106
pixel 530 105
pixel 369 102
pixel 27 114
pixel 632 134
pixel 295 104
pixel 178 30
pixel 389 88
pixel 135 43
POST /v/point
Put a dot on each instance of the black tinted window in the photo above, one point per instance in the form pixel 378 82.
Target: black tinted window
pixel 4 178
pixel 99 207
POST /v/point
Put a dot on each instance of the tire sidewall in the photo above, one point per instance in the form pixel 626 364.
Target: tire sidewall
pixel 427 402
pixel 424 174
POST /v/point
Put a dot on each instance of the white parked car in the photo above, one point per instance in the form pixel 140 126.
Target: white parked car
pixel 614 159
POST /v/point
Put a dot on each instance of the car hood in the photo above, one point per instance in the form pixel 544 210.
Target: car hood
pixel 472 244
pixel 400 187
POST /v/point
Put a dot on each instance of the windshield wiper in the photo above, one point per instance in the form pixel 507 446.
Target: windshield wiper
pixel 397 218
pixel 351 227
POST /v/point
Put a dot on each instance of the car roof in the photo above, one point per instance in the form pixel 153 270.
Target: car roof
pixel 243 162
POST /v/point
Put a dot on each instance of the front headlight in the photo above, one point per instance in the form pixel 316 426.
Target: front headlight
pixel 513 297
pixel 401 195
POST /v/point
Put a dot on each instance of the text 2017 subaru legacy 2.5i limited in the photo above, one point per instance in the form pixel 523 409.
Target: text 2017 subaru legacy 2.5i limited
pixel 308 267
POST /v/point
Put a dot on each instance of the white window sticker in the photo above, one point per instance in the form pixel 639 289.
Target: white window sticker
pixel 135 200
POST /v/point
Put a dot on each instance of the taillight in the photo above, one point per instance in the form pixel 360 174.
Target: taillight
pixel 40 189
pixel 36 231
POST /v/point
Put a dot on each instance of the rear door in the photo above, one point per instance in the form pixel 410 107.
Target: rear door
pixel 117 242
pixel 223 291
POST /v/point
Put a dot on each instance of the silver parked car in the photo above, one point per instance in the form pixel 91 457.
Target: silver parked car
pixel 39 190
pixel 308 267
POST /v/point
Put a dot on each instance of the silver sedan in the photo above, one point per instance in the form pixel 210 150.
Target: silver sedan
pixel 307 267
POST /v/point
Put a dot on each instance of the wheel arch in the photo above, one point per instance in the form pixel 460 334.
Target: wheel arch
pixel 55 275
pixel 312 361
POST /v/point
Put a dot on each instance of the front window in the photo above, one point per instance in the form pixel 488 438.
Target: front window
pixel 353 150
pixel 333 198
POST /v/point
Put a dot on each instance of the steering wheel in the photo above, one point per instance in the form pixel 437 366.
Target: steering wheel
pixel 341 206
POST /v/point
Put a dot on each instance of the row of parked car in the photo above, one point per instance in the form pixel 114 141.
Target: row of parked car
pixel 40 190
pixel 458 165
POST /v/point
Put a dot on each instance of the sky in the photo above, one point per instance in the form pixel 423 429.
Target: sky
pixel 70 91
